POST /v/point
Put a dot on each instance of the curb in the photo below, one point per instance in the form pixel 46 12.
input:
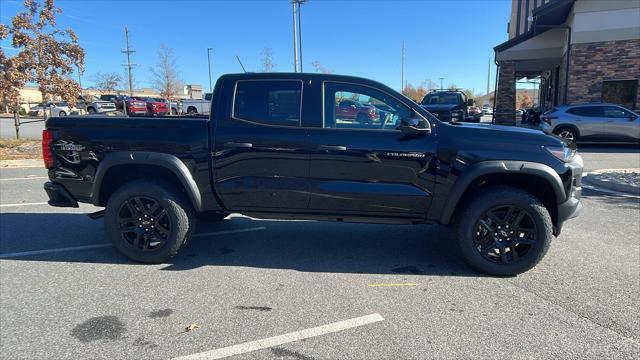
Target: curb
pixel 25 163
pixel 590 179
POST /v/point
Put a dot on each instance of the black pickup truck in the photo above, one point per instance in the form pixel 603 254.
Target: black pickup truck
pixel 277 146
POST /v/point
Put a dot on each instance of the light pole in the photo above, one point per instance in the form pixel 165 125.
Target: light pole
pixel 209 62
pixel 441 83
pixel 297 35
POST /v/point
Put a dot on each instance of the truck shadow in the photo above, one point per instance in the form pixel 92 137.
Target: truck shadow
pixel 305 246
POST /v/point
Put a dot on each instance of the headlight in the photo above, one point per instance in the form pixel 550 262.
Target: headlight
pixel 562 153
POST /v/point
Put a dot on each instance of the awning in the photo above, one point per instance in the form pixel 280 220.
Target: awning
pixel 541 44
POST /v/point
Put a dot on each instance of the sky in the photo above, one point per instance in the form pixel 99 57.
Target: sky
pixel 451 39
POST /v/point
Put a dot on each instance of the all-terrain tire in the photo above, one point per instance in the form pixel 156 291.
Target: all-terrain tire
pixel 467 228
pixel 177 215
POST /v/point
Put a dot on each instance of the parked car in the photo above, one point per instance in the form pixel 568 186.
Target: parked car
pixel 508 190
pixel 173 105
pixel 155 106
pixel 475 113
pixel 133 107
pixel 351 110
pixel 593 122
pixel 196 106
pixel 487 109
pixel 93 105
pixel 448 105
pixel 60 108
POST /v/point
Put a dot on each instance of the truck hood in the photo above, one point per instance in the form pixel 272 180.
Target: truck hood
pixel 513 133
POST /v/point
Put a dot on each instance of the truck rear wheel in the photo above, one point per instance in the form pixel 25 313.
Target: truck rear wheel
pixel 148 221
pixel 504 231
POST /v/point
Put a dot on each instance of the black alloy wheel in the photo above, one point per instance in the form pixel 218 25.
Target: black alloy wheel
pixel 144 223
pixel 505 234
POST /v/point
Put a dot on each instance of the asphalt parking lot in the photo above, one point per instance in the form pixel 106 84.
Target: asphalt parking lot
pixel 314 290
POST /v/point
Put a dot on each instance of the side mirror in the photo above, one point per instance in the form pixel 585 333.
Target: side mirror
pixel 470 102
pixel 414 127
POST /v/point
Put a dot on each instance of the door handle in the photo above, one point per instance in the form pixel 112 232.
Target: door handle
pixel 332 147
pixel 238 145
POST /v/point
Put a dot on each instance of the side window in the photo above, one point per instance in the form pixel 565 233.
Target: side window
pixel 270 102
pixel 350 106
pixel 615 112
pixel 588 111
pixel 207 96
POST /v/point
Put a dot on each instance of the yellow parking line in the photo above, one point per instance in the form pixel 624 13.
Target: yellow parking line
pixel 389 285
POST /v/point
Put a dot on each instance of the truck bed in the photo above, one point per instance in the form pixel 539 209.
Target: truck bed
pixel 81 143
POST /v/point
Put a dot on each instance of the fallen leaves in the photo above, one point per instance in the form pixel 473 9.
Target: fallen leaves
pixel 191 327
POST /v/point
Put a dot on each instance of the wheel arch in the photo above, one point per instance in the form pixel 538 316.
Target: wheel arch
pixel 119 168
pixel 565 125
pixel 536 178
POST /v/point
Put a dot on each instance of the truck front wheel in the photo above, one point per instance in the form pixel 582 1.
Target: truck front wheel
pixel 148 221
pixel 504 231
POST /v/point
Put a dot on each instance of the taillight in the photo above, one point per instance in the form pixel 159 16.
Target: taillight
pixel 47 149
pixel 548 119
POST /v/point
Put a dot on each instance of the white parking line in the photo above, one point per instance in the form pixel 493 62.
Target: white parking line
pixel 25 178
pixel 96 246
pixel 48 251
pixel 284 339
pixel 230 231
pixel 24 204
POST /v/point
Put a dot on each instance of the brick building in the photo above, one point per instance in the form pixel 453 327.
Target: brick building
pixel 582 51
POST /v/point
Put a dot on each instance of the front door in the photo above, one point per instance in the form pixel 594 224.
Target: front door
pixel 367 167
pixel 621 123
pixel 260 155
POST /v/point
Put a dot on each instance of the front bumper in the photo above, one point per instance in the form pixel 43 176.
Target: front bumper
pixel 572 207
pixel 59 196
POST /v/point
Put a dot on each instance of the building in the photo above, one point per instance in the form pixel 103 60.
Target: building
pixel 582 51
pixel 31 95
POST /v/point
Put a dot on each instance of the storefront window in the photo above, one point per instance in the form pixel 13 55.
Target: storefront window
pixel 621 92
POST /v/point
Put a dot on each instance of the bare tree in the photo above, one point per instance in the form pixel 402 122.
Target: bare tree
pixel 47 55
pixel 165 78
pixel 317 67
pixel 107 82
pixel 267 60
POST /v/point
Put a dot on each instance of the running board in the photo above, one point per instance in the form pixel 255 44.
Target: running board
pixel 96 215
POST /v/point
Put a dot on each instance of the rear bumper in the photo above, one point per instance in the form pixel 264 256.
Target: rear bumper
pixel 59 196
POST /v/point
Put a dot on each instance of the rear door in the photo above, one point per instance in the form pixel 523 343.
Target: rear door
pixel 368 168
pixel 260 154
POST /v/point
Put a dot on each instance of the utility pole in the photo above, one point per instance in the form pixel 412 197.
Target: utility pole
pixel 488 75
pixel 209 62
pixel 129 64
pixel 441 83
pixel 295 37
pixel 299 2
pixel 402 70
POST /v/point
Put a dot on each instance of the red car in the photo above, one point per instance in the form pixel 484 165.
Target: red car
pixel 154 106
pixel 134 105
pixel 354 110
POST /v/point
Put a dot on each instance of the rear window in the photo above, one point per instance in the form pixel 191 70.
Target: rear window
pixel 588 111
pixel 272 102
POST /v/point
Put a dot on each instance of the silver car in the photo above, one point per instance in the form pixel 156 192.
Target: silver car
pixel 592 122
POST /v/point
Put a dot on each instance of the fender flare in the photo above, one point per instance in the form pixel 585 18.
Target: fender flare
pixel 167 161
pixel 482 168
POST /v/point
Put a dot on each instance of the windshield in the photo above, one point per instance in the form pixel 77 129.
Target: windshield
pixel 441 98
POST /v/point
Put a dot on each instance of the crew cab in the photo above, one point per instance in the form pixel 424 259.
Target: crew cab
pixel 275 147
pixel 131 106
pixel 155 106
